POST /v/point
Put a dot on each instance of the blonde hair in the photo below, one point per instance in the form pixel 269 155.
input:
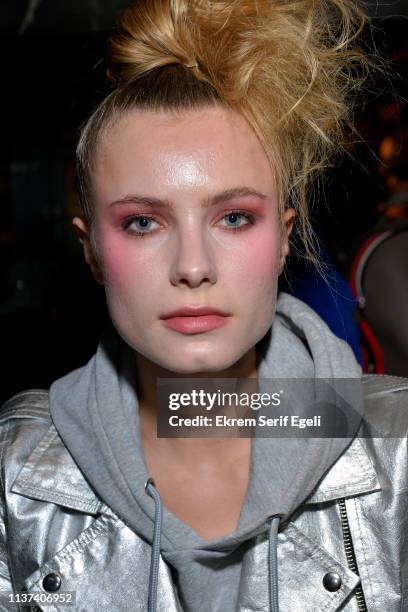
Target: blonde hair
pixel 290 67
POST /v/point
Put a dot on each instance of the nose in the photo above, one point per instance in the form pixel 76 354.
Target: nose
pixel 193 262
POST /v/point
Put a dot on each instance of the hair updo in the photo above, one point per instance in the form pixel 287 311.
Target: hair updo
pixel 290 67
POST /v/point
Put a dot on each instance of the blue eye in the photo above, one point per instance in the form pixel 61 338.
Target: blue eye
pixel 235 215
pixel 143 220
pixel 144 224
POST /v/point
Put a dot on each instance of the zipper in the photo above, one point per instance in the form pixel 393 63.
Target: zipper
pixel 350 554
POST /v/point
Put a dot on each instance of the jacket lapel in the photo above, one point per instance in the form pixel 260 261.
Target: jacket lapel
pixel 50 474
pixel 107 567
pixel 352 474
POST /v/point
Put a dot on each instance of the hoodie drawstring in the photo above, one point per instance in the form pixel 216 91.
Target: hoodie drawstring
pixel 273 564
pixel 151 490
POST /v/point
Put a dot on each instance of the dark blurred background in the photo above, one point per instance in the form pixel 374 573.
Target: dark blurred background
pixel 51 310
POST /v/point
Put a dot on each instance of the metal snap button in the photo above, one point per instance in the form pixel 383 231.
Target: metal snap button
pixel 51 582
pixel 332 581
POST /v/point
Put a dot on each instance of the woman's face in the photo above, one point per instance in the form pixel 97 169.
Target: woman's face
pixel 186 215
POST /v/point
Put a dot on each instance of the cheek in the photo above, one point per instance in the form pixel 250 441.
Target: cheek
pixel 124 266
pixel 258 262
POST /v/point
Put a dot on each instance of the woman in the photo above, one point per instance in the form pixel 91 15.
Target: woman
pixel 192 172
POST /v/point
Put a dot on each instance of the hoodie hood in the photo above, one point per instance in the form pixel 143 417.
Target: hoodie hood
pixel 95 411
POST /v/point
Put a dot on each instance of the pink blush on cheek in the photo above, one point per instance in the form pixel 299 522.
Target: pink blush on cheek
pixel 120 261
pixel 266 252
pixel 258 259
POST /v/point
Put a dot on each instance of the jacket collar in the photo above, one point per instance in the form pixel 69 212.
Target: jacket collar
pixel 50 474
pixel 352 474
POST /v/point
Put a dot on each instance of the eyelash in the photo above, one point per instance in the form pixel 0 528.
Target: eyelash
pixel 126 222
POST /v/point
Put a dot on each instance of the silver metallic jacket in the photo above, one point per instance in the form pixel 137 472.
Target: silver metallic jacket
pixel 345 549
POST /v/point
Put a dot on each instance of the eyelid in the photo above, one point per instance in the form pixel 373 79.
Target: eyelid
pixel 250 216
pixel 245 213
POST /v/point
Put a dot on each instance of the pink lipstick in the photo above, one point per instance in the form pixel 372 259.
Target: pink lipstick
pixel 195 319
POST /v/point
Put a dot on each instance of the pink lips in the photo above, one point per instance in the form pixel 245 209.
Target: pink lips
pixel 194 320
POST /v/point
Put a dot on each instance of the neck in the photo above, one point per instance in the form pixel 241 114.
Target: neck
pixel 147 375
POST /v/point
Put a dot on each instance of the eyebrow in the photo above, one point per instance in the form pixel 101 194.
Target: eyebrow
pixel 218 198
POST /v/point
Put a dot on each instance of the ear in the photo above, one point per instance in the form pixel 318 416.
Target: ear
pixel 288 219
pixel 83 233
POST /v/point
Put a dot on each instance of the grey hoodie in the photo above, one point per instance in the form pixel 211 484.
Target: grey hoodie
pixel 95 410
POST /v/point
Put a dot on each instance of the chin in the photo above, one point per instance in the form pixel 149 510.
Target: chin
pixel 201 366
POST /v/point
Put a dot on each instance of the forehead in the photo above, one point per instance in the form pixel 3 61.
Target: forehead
pixel 210 146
